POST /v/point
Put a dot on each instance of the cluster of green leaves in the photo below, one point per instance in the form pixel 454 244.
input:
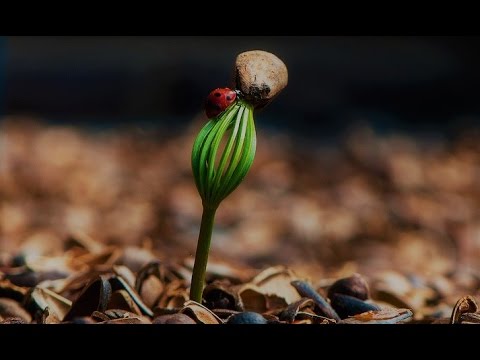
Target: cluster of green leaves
pixel 218 173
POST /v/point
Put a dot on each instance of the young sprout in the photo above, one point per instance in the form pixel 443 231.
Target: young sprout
pixel 218 169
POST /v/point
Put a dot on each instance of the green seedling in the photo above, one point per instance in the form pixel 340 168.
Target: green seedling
pixel 224 149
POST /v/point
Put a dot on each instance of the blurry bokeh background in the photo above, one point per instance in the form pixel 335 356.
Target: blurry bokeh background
pixel 392 81
pixel 368 158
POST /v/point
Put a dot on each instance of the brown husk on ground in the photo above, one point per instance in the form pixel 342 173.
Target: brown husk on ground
pixel 102 228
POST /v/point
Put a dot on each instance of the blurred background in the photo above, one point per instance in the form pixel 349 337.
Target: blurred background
pixel 400 82
pixel 369 158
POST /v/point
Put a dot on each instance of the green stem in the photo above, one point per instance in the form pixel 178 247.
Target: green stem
pixel 201 257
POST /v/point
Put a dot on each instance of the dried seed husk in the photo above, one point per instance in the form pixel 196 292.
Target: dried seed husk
pixel 346 306
pixel 384 316
pixel 150 290
pixel 102 260
pixel 86 242
pixel 470 318
pixel 390 298
pixel 166 273
pixel 200 313
pixel 99 316
pixel 71 287
pixel 12 291
pixel 118 283
pixel 135 258
pixel 276 281
pixel 152 282
pixel 309 318
pixel 12 321
pixel 125 273
pixel 260 76
pixel 174 296
pixel 217 270
pixel 41 299
pixel 94 297
pixel 165 311
pixel 219 296
pixel 48 317
pixel 126 321
pixel 322 306
pixel 224 313
pixel 11 309
pixel 289 314
pixel 120 299
pixel 23 277
pixel 253 299
pixel 466 304
pixel 441 321
pixel 173 319
pixel 119 316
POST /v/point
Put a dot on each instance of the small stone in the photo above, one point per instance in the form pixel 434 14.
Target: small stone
pixel 346 305
pixel 354 285
pixel 247 317
pixel 260 76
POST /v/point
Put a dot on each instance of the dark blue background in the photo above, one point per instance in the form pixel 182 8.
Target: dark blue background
pixel 413 83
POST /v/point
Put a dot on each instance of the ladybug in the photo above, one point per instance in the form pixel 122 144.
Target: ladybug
pixel 218 100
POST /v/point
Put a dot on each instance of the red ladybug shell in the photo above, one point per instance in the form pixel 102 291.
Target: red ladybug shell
pixel 218 100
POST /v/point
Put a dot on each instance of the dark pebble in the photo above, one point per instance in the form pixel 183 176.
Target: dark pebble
pixel 346 305
pixel 355 286
pixel 247 317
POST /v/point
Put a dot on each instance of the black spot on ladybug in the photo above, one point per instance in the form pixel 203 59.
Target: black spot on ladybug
pixel 229 98
pixel 217 94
